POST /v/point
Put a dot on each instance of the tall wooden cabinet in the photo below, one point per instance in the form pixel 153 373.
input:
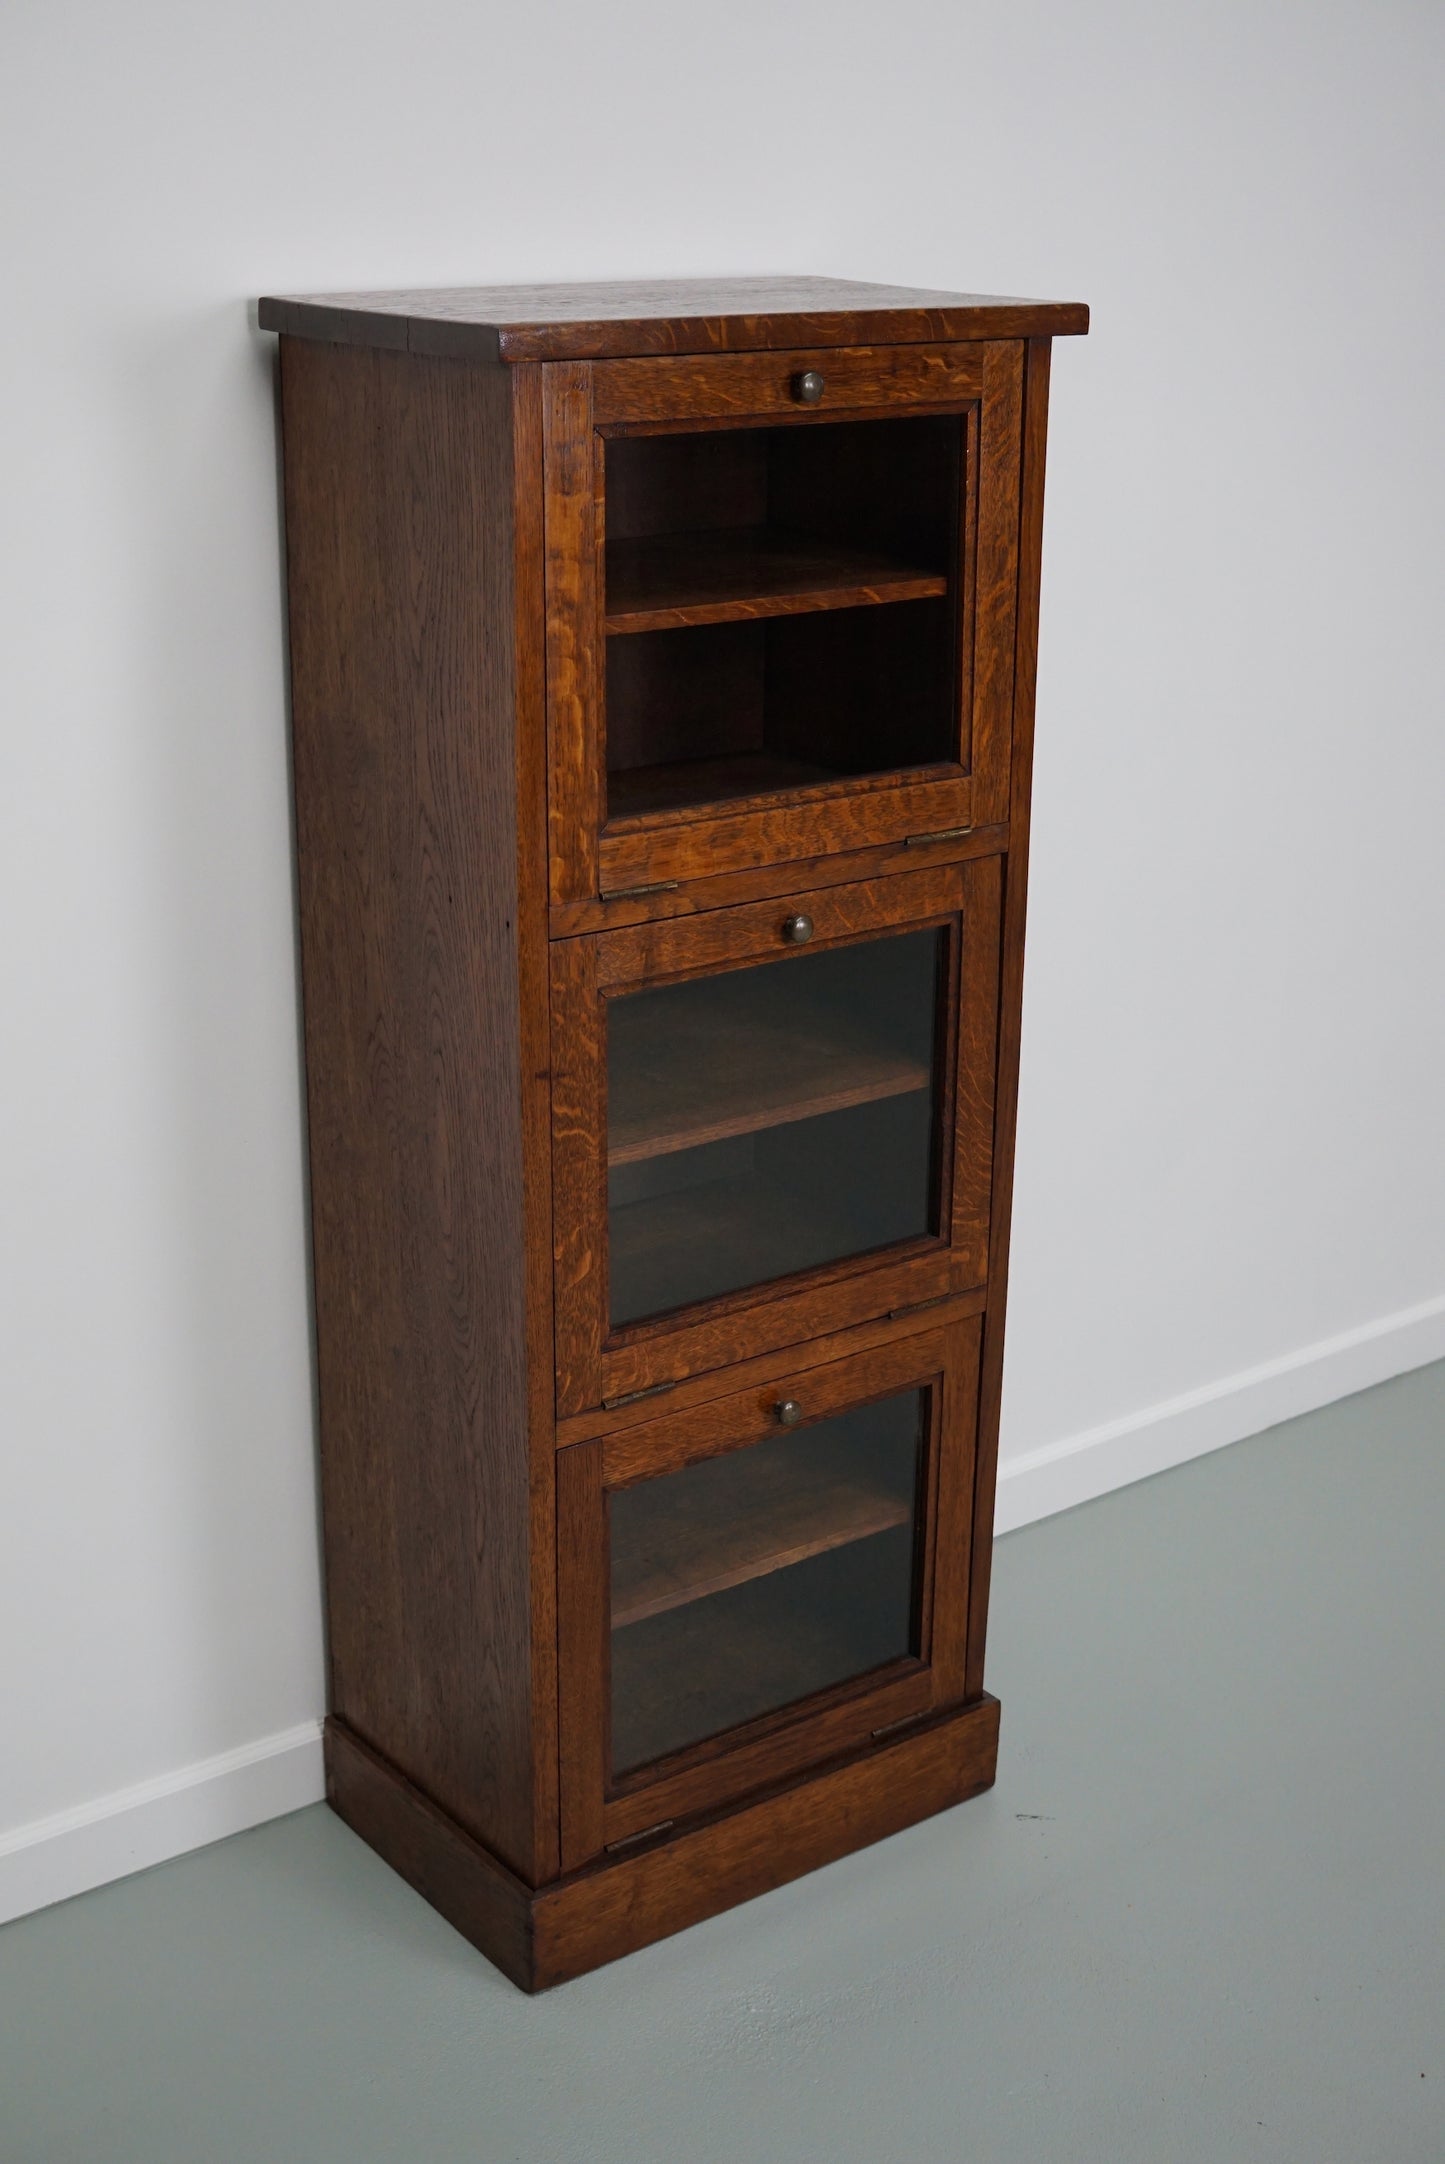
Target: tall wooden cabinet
pixel 662 679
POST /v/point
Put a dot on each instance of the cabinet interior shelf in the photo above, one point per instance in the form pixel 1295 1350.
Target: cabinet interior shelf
pixel 675 1248
pixel 755 1513
pixel 676 1083
pixel 729 574
pixel 757 1646
pixel 635 792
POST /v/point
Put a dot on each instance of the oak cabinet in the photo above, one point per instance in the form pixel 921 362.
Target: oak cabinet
pixel 662 691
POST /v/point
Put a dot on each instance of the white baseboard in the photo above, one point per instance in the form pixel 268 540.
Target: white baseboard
pixel 133 1828
pixel 1081 1467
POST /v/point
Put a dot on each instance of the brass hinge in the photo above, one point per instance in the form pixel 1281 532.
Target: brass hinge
pixel 630 1397
pixel 916 1306
pixel 940 834
pixel 630 1840
pixel 630 894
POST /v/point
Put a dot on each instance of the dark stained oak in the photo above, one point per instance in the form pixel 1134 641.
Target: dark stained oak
pixel 424 1045
pixel 768 1368
pixel 1030 545
pixel 573 544
pixel 593 619
pixel 860 1368
pixel 670 580
pixel 534 1051
pixel 946 845
pixel 729 389
pixel 664 316
pixel 741 1325
pixel 579 1176
pixel 682 1880
pixel 754 933
pixel 541 1938
pixel 434 1852
pixel 996 578
pixel 582 1641
pixel 975 1041
pixel 634 792
pixel 846 814
pixel 728 1768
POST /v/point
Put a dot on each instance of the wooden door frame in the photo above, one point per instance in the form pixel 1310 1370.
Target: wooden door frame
pixel 597 1814
pixel 596 1366
pixel 583 399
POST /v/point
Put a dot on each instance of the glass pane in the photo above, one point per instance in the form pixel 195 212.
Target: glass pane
pixel 770 1119
pixel 749 1581
pixel 782 608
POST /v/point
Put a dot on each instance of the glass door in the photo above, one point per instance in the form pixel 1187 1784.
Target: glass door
pixel 769 1121
pixel 751 1584
pixel 744 1583
pixel 780 608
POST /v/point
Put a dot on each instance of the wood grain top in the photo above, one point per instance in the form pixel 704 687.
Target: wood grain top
pixel 669 315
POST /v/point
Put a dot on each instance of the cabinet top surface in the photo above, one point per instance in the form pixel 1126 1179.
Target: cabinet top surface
pixel 667 315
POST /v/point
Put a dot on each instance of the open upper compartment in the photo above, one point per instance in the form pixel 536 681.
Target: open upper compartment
pixel 783 606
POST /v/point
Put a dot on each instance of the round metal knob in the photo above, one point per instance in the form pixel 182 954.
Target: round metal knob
pixel 797 930
pixel 789 1412
pixel 808 388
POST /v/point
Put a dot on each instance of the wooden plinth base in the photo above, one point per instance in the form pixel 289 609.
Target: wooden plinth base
pixel 542 1935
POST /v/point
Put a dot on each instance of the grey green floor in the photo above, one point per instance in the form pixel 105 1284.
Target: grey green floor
pixel 1201 1917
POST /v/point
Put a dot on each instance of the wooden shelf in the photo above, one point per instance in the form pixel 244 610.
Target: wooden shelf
pixel 744 1515
pixel 675 1249
pixel 696 1670
pixel 632 792
pixel 729 574
pixel 701 1242
pixel 682 1076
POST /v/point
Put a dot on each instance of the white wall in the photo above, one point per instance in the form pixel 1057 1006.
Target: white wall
pixel 1231 1195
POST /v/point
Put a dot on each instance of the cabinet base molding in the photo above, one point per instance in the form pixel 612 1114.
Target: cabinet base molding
pixel 540 1936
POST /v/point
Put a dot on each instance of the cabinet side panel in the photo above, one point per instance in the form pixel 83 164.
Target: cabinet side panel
pixel 1021 769
pixel 400 515
pixel 536 1056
